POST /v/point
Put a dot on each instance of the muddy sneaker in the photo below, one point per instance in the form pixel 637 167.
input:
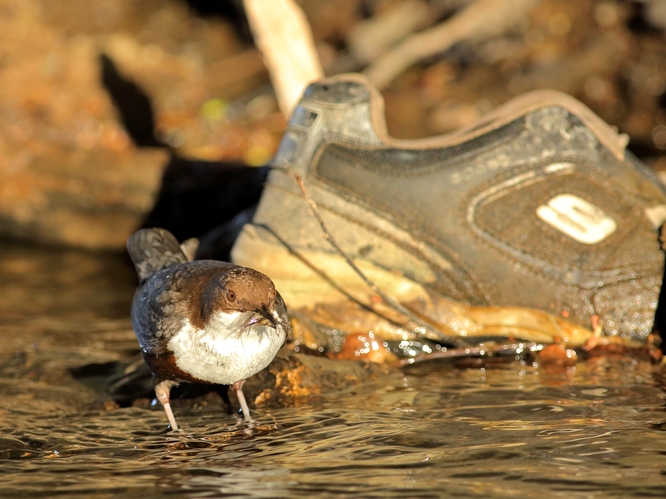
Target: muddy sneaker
pixel 539 205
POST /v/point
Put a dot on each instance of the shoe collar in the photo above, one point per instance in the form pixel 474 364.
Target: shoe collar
pixel 503 114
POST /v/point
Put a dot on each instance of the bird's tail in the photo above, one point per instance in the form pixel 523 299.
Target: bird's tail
pixel 152 250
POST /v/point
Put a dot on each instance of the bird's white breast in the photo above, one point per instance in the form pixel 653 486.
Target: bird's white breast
pixel 225 351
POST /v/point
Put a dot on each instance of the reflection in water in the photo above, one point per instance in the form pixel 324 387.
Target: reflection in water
pixel 593 430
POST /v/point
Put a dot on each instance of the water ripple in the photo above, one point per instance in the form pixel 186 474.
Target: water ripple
pixel 596 430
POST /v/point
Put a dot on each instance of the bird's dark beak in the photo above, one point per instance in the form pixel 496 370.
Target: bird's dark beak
pixel 263 317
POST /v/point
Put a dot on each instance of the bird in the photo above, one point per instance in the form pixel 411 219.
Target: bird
pixel 201 321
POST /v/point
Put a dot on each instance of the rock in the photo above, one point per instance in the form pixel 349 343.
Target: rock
pixel 69 172
pixel 296 375
pixel 289 377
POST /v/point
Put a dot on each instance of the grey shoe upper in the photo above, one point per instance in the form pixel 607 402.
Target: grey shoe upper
pixel 536 206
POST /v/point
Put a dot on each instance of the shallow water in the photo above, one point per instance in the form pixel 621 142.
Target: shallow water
pixel 596 430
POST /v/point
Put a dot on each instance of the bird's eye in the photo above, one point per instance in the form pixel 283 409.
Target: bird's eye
pixel 231 296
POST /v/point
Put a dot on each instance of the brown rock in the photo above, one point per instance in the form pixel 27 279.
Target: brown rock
pixel 558 356
pixel 293 375
pixel 69 173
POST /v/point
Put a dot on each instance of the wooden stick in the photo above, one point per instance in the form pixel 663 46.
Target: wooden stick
pixel 481 20
pixel 283 35
pixel 505 349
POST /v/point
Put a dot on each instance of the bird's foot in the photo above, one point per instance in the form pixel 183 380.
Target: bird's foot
pixel 238 386
pixel 163 391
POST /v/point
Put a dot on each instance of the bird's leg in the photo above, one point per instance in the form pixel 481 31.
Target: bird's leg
pixel 163 390
pixel 238 386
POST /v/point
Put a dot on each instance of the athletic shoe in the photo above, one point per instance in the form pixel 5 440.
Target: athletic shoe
pixel 538 205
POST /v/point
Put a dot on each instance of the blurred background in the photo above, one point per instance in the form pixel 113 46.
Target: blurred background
pixel 122 113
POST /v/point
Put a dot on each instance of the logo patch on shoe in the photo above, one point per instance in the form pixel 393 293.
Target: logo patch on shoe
pixel 576 218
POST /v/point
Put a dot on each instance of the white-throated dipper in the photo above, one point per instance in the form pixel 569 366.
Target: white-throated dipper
pixel 203 321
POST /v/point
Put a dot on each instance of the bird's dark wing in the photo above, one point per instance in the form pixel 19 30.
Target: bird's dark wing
pixel 281 309
pixel 157 311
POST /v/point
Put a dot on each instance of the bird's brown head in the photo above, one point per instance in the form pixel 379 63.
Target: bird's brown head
pixel 238 289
